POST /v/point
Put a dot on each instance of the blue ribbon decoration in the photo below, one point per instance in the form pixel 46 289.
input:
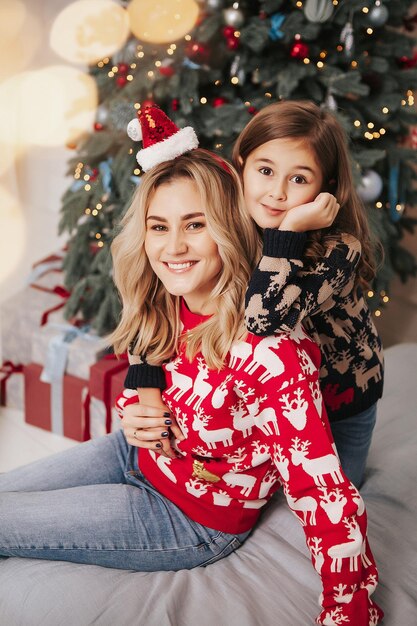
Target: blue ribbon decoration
pixel 393 183
pixel 105 173
pixel 275 32
pixel 54 369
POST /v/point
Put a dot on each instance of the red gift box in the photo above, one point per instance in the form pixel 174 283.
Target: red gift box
pixel 11 379
pixel 40 399
pixel 106 382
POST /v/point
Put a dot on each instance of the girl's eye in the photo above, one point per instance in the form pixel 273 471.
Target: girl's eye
pixel 266 171
pixel 158 228
pixel 298 179
pixel 195 225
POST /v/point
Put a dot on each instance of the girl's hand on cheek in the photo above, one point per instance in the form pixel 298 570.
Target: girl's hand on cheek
pixel 320 213
pixel 151 428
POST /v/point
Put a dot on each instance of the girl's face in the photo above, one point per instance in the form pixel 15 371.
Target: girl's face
pixel 179 247
pixel 278 176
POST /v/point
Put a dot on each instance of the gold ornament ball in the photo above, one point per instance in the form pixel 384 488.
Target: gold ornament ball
pixel 162 21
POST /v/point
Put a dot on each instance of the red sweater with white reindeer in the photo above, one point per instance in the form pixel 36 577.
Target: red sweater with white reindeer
pixel 257 424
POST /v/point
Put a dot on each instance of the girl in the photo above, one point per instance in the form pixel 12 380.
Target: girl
pixel 316 260
pixel 250 408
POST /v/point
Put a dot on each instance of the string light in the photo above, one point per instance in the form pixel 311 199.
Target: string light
pixel 365 10
pixel 385 110
pixel 100 244
pixel 354 64
pixel 379 205
pixel 306 61
pixel 129 77
pixel 369 31
pixel 385 299
pixel 87 187
pixel 94 212
pixel 203 100
pixel 87 211
pixel 320 64
pixel 371 125
pixel 357 123
pixel 234 80
pixel 377 313
pixel 370 294
pixel 136 171
pixel 98 236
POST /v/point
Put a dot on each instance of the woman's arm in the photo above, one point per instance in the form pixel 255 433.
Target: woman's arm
pixel 329 508
pixel 283 291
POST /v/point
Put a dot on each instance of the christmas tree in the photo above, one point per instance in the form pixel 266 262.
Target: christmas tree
pixel 354 57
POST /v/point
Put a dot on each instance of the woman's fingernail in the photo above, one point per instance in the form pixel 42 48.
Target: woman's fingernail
pixel 168 422
pixel 165 433
pixel 158 445
pixel 167 414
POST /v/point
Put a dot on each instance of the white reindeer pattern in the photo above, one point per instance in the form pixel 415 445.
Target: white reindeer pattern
pixel 201 388
pixel 264 357
pixel 316 468
pixel 179 381
pixel 211 437
pixel 351 550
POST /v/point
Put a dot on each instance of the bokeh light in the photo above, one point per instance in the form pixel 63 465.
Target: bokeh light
pixel 48 107
pixel 88 30
pixel 20 37
pixel 162 21
pixel 12 233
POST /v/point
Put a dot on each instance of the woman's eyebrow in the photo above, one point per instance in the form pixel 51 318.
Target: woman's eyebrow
pixel 188 216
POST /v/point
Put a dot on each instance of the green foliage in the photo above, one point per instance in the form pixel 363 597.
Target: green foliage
pixel 367 81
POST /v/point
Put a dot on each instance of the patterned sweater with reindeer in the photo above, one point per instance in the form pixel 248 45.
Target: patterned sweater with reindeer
pixel 285 291
pixel 252 427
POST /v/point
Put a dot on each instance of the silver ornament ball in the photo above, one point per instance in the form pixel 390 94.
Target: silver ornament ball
pixel 370 186
pixel 233 17
pixel 214 5
pixel 378 15
pixel 318 11
pixel 102 114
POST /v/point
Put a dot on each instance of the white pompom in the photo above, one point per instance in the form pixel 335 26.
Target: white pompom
pixel 134 130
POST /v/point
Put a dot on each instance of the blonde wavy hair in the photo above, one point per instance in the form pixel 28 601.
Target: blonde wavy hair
pixel 150 315
pixel 326 137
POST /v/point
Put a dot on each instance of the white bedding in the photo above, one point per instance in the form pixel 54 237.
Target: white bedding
pixel 270 580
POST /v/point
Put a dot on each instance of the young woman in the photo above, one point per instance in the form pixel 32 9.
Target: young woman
pixel 250 409
pixel 293 161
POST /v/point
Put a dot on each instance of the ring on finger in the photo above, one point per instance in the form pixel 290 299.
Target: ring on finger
pixel 134 433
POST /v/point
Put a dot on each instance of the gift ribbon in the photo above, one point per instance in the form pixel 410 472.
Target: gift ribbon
pixel 51 264
pixel 8 369
pixel 55 366
pixel 120 365
pixel 57 290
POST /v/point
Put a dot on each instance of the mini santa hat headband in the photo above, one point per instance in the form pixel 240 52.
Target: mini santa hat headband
pixel 161 139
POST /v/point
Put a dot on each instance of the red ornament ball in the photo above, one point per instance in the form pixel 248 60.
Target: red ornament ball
pixel 408 62
pixel 252 110
pixel 299 50
pixel 166 70
pixel 123 68
pixel 232 43
pixel 219 101
pixel 121 81
pixel 175 104
pixel 197 52
pixel 98 126
pixel 228 31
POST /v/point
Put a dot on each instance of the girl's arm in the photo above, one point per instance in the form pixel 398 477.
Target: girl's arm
pixel 329 508
pixel 283 291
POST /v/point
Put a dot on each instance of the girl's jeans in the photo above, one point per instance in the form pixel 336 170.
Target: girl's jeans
pixel 353 437
pixel 91 504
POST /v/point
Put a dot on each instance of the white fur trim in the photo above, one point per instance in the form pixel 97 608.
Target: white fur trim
pixel 183 141
pixel 134 130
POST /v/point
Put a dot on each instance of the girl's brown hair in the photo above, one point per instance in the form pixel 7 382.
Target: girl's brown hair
pixel 326 137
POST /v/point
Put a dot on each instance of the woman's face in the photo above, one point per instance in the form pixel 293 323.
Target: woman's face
pixel 179 247
pixel 278 176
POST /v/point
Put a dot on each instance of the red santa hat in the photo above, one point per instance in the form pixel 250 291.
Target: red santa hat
pixel 161 139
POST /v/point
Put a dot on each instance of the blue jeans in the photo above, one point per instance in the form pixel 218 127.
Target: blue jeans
pixel 353 437
pixel 91 504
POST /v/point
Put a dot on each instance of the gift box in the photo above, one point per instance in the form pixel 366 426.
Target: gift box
pixel 11 385
pixel 25 312
pixel 60 406
pixel 71 349
pixel 106 382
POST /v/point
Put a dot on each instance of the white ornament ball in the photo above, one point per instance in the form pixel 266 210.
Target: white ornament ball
pixel 378 15
pixel 214 5
pixel 134 130
pixel 318 11
pixel 371 186
pixel 233 17
pixel 102 114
